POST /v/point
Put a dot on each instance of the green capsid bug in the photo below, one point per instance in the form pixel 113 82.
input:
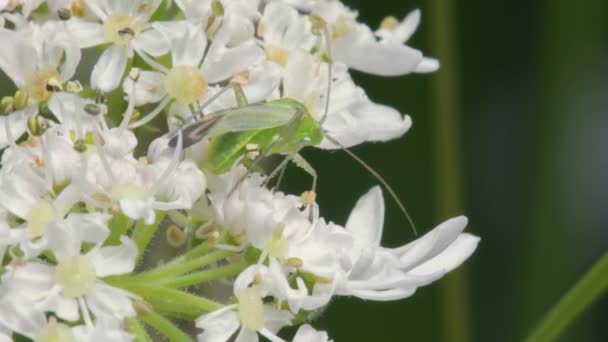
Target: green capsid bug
pixel 281 126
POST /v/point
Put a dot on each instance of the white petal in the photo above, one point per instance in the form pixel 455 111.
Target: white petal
pixel 20 316
pixel 233 61
pixel 153 42
pixel 432 243
pixel 389 295
pixel 115 260
pixel 149 87
pixel 32 280
pixel 246 335
pixel 366 220
pixel 367 55
pixel 452 257
pixel 90 227
pixel 108 70
pixel 17 125
pixel 110 301
pixel 86 33
pixel 364 121
pixel 404 31
pixel 189 49
pixel 218 326
pixel 306 333
pixel 16 57
pixel 427 65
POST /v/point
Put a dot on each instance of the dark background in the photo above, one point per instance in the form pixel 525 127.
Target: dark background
pixel 521 105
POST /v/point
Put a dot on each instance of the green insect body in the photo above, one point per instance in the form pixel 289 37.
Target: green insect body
pixel 276 127
pixel 226 148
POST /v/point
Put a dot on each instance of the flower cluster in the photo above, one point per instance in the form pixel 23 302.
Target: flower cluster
pixel 138 119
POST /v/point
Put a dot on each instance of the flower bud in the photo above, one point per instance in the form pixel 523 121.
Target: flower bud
pixel 176 237
pixel 7 105
pixel 21 99
pixel 92 109
pixel 318 25
pixel 80 146
pixel 74 87
pixel 217 8
pixel 37 125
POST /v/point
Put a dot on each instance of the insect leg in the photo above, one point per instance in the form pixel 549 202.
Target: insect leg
pixel 279 169
pixel 290 124
pixel 304 165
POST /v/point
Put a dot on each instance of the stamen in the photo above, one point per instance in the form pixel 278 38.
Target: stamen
pixel 154 113
pixel 53 85
pixel 164 177
pixel 64 14
pixel 308 197
pixel 134 75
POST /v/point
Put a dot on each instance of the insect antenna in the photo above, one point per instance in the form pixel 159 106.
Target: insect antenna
pixel 378 177
pixel 320 28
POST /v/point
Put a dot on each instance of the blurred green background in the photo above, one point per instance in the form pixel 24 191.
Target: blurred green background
pixel 511 132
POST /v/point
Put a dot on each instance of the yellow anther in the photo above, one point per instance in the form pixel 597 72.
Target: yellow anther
pixel 389 23
pixel 77 8
pixel 294 262
pixel 277 55
pixel 52 85
pixel 74 87
pixel 134 73
pixel 308 197
pixel 257 278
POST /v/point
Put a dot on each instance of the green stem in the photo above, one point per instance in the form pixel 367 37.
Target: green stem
pixel 179 310
pixel 195 252
pixel 207 275
pixel 138 330
pixel 447 164
pixel 143 233
pixel 187 266
pixel 165 327
pixel 119 225
pixel 583 294
pixel 151 292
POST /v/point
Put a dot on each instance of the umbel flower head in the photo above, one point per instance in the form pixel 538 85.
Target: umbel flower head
pixel 155 143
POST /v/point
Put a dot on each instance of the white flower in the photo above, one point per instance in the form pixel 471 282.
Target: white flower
pixel 399 33
pixel 124 24
pixel 352 118
pixel 249 316
pixel 37 53
pixel 306 333
pixel 253 213
pixel 195 67
pixel 31 57
pixel 73 288
pixel 380 273
pixel 355 44
pixel 284 31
